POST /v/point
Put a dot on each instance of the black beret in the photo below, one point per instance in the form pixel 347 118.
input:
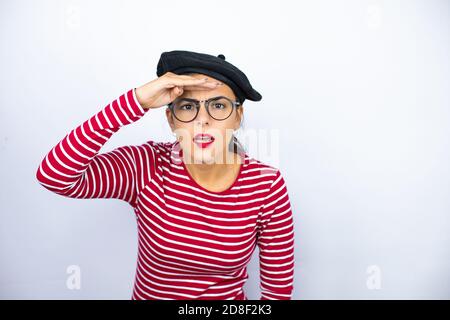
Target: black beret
pixel 182 62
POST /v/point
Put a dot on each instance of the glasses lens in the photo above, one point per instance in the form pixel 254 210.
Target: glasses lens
pixel 184 110
pixel 220 108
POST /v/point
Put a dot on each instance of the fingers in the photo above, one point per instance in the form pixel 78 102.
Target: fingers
pixel 200 83
pixel 177 91
pixel 207 87
pixel 191 83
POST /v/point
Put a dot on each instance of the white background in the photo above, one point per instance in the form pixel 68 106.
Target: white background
pixel 357 90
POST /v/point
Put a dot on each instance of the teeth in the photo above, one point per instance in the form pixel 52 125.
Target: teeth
pixel 204 139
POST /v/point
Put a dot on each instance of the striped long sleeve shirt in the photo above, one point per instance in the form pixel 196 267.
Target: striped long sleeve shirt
pixel 192 243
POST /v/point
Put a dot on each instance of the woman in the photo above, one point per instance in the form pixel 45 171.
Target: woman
pixel 202 204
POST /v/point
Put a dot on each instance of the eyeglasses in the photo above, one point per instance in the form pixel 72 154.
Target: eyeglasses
pixel 218 108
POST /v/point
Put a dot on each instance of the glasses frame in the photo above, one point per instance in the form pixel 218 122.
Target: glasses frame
pixel 235 104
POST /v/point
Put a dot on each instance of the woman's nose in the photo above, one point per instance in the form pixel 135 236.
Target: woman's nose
pixel 203 115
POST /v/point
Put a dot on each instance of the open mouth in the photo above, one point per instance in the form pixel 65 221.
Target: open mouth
pixel 203 140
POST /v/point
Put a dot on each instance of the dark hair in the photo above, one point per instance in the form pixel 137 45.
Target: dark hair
pixel 236 146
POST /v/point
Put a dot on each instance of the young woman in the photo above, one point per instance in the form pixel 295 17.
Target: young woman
pixel 202 204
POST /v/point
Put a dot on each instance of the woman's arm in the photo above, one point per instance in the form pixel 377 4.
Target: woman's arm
pixel 276 244
pixel 73 168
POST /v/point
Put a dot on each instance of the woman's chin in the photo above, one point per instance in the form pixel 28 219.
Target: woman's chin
pixel 204 157
pixel 207 155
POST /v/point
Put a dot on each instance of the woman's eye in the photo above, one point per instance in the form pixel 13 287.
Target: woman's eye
pixel 186 107
pixel 219 106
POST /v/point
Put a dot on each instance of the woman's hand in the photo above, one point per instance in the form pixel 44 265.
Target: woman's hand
pixel 163 90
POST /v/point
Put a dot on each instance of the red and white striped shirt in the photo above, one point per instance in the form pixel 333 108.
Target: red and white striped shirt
pixel 193 243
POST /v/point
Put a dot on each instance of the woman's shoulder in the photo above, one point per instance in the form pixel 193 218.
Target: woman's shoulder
pixel 273 177
pixel 265 170
pixel 160 146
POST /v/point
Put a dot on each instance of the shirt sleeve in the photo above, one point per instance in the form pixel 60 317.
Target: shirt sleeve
pixel 276 243
pixel 74 168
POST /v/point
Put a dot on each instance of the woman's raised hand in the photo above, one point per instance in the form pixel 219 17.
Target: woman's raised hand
pixel 163 90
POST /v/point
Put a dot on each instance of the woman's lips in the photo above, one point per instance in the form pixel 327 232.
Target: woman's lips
pixel 203 140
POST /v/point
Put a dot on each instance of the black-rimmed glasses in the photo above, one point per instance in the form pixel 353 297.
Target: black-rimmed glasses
pixel 219 108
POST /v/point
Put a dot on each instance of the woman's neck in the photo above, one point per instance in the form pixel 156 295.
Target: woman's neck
pixel 209 173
